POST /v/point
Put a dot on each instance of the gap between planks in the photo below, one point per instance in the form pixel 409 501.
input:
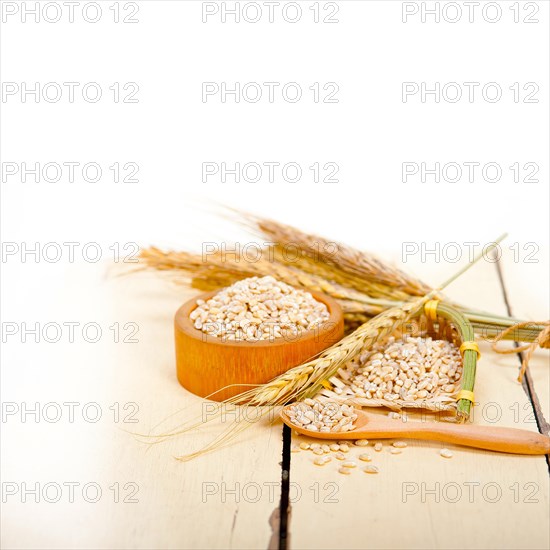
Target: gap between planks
pixel 527 382
pixel 284 509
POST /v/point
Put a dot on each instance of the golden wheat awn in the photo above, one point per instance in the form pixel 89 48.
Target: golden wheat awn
pixel 360 266
pixel 301 381
pixel 219 272
pixel 367 273
pixel 350 276
pixel 333 273
pixel 305 380
pixel 362 283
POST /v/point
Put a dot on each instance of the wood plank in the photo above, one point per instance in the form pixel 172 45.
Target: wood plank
pixel 528 293
pixel 236 487
pixel 421 500
pixel 221 500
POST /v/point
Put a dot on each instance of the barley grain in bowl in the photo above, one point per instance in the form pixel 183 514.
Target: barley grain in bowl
pixel 258 308
pixel 231 340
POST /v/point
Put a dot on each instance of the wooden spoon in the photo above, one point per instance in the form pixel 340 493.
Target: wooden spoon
pixel 504 440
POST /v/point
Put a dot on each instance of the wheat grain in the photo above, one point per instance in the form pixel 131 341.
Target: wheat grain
pixel 357 264
pixel 402 371
pixel 306 379
pixel 256 309
pixel 327 416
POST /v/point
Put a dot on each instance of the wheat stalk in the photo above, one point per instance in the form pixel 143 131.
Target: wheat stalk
pixel 318 275
pixel 358 265
pixel 333 273
pixel 306 379
pixel 216 272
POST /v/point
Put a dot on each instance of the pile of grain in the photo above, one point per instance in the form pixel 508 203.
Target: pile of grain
pixel 259 309
pixel 317 416
pixel 406 370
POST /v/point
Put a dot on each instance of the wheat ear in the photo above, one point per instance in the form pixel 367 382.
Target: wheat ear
pixel 306 379
pixel 357 264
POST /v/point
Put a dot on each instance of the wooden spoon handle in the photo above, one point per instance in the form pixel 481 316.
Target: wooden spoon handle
pixel 504 440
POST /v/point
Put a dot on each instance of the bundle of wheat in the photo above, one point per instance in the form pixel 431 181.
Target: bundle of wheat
pixel 363 284
pixel 377 299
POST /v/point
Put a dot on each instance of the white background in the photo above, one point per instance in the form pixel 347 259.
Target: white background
pixel 369 133
pixel 171 131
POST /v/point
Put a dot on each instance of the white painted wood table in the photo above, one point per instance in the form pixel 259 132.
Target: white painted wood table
pixel 231 498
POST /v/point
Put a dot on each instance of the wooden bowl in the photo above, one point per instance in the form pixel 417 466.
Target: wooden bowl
pixel 206 363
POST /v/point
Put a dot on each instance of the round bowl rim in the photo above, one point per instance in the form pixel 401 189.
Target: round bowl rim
pixel 184 323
